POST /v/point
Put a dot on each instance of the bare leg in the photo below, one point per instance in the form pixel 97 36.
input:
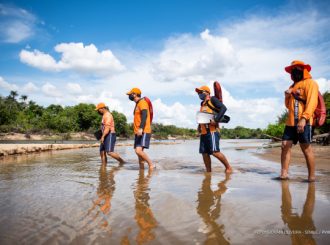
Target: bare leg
pixel 207 162
pixel 116 156
pixel 285 158
pixel 222 158
pixel 103 157
pixel 310 160
pixel 141 162
pixel 141 154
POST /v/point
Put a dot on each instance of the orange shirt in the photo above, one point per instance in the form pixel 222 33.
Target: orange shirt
pixel 141 105
pixel 308 89
pixel 107 121
pixel 205 108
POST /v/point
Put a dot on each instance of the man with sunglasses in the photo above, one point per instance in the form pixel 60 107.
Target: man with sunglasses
pixel 209 134
pixel 301 100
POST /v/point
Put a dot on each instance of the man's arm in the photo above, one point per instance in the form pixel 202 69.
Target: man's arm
pixel 144 115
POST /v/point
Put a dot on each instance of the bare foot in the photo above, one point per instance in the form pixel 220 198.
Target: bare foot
pixel 284 175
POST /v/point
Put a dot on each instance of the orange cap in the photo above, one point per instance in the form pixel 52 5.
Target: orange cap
pixel 296 63
pixel 100 106
pixel 202 89
pixel 134 91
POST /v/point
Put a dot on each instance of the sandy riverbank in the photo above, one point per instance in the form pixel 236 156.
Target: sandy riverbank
pixel 322 156
pixel 18 149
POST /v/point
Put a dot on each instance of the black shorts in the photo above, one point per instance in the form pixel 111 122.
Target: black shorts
pixel 109 143
pixel 142 141
pixel 290 133
pixel 209 143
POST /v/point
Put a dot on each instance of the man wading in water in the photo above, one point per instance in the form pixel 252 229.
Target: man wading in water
pixel 300 118
pixel 108 139
pixel 209 134
pixel 141 126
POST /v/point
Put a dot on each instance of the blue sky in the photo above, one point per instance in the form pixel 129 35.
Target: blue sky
pixel 67 52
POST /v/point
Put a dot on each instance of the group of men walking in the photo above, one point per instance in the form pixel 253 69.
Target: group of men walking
pixel 298 125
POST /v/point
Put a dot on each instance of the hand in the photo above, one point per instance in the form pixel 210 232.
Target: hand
pixel 102 139
pixel 140 131
pixel 301 125
pixel 288 92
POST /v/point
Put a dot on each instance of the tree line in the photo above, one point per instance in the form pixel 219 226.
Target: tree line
pixel 276 129
pixel 20 115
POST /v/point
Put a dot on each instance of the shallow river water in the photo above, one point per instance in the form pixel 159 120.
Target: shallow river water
pixel 68 197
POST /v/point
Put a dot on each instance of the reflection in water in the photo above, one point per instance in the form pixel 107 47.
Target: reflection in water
pixel 105 192
pixel 143 214
pixel 209 208
pixel 299 225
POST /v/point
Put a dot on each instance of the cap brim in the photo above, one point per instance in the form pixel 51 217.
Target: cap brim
pixel 198 90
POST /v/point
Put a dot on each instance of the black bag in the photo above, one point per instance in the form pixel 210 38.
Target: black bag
pixel 98 134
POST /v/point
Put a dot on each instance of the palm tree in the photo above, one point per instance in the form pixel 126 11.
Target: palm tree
pixel 13 94
pixel 23 97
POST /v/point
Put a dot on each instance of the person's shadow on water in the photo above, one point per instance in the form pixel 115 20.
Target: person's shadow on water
pixel 143 214
pixel 209 208
pixel 299 226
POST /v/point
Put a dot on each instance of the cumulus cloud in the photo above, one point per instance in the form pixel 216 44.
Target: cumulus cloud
pixel 17 24
pixel 324 85
pixel 188 56
pixel 7 86
pixel 74 88
pixel 176 113
pixel 75 57
pixel 50 90
pixel 30 88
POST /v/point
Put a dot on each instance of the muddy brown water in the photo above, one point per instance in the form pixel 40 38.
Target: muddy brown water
pixel 67 197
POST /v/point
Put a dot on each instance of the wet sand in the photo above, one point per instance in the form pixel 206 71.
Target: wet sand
pixel 67 197
pixel 322 156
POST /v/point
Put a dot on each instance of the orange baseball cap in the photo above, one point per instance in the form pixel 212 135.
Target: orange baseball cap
pixel 296 63
pixel 134 91
pixel 100 106
pixel 202 89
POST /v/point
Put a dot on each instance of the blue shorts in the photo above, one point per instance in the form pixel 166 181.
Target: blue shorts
pixel 109 143
pixel 142 141
pixel 209 143
pixel 290 133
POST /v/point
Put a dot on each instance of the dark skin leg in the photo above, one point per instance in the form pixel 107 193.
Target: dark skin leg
pixel 116 156
pixel 207 162
pixel 310 160
pixel 285 158
pixel 222 158
pixel 103 158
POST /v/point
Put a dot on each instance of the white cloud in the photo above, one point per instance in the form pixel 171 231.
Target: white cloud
pixel 50 90
pixel 30 88
pixel 74 88
pixel 248 55
pixel 39 59
pixel 75 57
pixel 7 86
pixel 17 24
pixel 175 114
pixel 188 56
pixel 324 85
